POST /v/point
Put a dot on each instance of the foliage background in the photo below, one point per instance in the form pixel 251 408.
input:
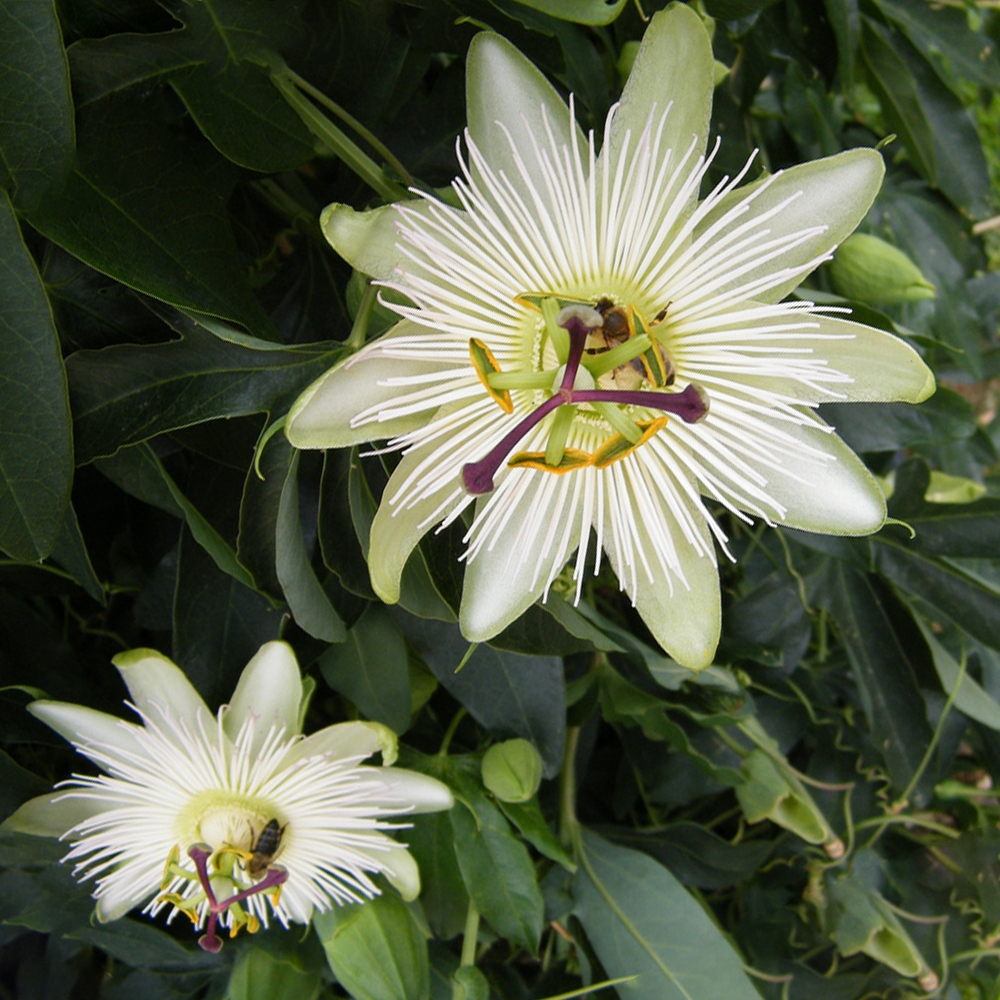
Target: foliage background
pixel 165 293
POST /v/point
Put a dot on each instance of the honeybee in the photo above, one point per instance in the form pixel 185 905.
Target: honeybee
pixel 265 849
pixel 617 329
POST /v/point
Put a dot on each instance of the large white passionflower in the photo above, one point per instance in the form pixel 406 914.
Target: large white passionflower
pixel 587 350
pixel 229 818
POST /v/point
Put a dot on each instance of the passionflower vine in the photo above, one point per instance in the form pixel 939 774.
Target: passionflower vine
pixel 586 352
pixel 233 818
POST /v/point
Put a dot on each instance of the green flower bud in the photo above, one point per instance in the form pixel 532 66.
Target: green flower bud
pixel 861 920
pixel 943 488
pixel 469 983
pixel 774 793
pixel 512 770
pixel 867 269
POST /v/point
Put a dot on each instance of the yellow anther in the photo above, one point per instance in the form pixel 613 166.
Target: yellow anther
pixel 179 904
pixel 618 446
pixel 173 859
pixel 572 458
pixel 486 364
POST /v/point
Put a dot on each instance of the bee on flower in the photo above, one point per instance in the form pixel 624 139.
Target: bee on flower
pixel 232 818
pixel 587 352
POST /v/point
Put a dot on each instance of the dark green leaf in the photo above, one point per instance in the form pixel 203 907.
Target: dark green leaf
pixel 370 668
pixel 892 80
pixel 497 870
pixel 376 949
pixel 36 109
pixel 642 922
pixel 509 694
pixel 528 818
pixel 697 856
pixel 443 896
pixel 846 24
pixel 256 546
pixel 884 672
pixel 127 394
pixel 245 117
pixel 943 36
pixel 36 447
pixel 218 623
pixel 144 946
pixel 70 552
pixel 971 603
pixel 868 427
pixel 307 601
pixel 338 542
pixel 136 207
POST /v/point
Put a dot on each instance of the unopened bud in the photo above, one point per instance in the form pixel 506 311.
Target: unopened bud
pixel 512 770
pixel 867 269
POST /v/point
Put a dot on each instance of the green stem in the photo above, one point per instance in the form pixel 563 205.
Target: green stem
pixel 348 151
pixel 283 204
pixel 905 797
pixel 881 822
pixel 360 328
pixel 352 123
pixel 450 732
pixel 569 825
pixel 471 936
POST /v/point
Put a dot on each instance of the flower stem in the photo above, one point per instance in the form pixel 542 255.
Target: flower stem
pixel 450 732
pixel 360 327
pixel 352 122
pixel 470 937
pixel 568 823
pixel 321 126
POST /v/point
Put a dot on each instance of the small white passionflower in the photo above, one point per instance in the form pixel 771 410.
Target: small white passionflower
pixel 587 350
pixel 229 818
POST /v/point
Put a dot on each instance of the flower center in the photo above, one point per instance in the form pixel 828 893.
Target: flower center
pixel 611 359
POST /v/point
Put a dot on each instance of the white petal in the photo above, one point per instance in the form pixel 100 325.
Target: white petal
pixel 835 192
pixel 156 683
pixel 51 815
pixel 118 899
pixel 684 615
pixel 269 690
pixel 673 68
pixel 401 870
pixel 322 415
pixel 426 794
pixel 396 530
pixel 884 368
pixel 503 86
pixel 507 574
pixel 840 497
pixel 347 739
pixel 82 725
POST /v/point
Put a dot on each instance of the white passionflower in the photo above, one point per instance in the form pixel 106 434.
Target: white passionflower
pixel 587 352
pixel 229 818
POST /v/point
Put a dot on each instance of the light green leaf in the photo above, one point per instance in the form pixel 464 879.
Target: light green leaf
pixel 642 922
pixel 970 698
pixel 259 975
pixel 579 11
pixel 375 949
